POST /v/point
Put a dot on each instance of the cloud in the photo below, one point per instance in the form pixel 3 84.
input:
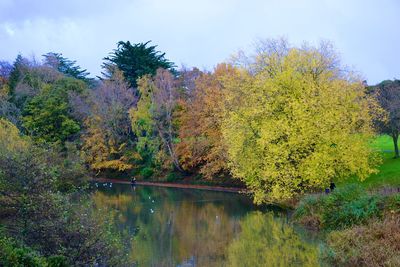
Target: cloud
pixel 201 33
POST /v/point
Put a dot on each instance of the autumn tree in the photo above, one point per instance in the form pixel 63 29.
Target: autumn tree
pixel 108 138
pixel 297 124
pixel 388 95
pixel 136 60
pixel 154 121
pixel 201 146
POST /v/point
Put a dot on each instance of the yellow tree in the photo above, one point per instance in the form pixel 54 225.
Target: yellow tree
pixel 297 124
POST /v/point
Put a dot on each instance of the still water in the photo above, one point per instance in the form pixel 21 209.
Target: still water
pixel 187 227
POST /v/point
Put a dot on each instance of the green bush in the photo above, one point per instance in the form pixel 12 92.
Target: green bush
pixel 309 211
pixel 347 206
pixel 57 261
pixel 146 172
pixel 13 255
pixel 350 206
pixel 173 177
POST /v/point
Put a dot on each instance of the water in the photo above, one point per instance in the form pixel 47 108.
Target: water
pixel 187 227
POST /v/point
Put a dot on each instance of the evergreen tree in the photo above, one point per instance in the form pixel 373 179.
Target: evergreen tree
pixel 66 66
pixel 136 60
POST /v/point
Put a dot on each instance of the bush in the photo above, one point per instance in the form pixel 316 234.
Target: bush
pixel 343 208
pixel 146 172
pixel 350 206
pixel 309 211
pixel 375 244
pixel 392 204
pixel 173 177
pixel 40 217
pixel 14 255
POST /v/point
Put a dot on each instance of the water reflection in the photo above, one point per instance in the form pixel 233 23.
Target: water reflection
pixel 176 227
pixel 267 239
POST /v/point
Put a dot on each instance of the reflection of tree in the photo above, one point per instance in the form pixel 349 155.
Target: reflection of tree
pixel 194 225
pixel 267 241
pixel 184 230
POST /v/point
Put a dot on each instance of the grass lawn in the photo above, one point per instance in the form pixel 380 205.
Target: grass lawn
pixel 389 171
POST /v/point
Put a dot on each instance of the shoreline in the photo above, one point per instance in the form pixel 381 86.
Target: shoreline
pixel 174 185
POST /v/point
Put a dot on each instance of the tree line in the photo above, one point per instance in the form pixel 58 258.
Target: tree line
pixel 284 120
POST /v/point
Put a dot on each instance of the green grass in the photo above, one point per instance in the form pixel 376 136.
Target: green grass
pixel 389 170
pixel 383 143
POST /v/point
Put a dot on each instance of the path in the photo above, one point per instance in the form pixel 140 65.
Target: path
pixel 174 185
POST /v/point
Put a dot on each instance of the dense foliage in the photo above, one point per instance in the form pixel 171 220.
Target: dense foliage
pixel 136 60
pixel 36 212
pixel 285 121
pixel 343 208
pixel 297 124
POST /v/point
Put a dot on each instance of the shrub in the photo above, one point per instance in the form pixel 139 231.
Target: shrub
pixel 374 244
pixel 173 176
pixel 350 206
pixel 14 255
pixel 392 204
pixel 309 211
pixel 147 172
pixel 345 207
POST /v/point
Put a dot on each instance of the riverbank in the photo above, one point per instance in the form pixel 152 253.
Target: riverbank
pixel 175 185
pixel 362 227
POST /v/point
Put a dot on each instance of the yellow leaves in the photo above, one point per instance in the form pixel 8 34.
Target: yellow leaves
pixel 298 129
pixel 10 138
pixel 116 164
pixel 101 152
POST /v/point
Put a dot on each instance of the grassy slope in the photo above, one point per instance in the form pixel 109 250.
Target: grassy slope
pixel 389 171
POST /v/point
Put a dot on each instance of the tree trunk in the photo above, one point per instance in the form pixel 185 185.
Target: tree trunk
pixel 395 137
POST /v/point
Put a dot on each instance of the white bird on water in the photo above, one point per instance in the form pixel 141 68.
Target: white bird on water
pixel 151 210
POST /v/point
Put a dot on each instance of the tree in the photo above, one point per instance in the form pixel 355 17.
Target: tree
pixel 38 216
pixel 136 60
pixel 201 145
pixel 108 138
pixel 388 95
pixel 5 71
pixel 297 124
pixel 153 120
pixel 47 116
pixel 66 66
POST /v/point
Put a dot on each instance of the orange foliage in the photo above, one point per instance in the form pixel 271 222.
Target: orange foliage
pixel 201 143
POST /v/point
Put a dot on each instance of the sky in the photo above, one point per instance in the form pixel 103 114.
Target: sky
pixel 203 33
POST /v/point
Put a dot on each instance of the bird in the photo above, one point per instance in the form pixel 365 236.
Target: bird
pixel 151 210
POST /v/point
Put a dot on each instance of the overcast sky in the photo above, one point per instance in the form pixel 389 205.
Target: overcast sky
pixel 205 32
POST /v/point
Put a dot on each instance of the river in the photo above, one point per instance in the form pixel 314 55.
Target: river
pixel 188 227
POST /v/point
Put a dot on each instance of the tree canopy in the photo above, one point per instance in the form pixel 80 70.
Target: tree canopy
pixel 66 66
pixel 296 125
pixel 136 60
